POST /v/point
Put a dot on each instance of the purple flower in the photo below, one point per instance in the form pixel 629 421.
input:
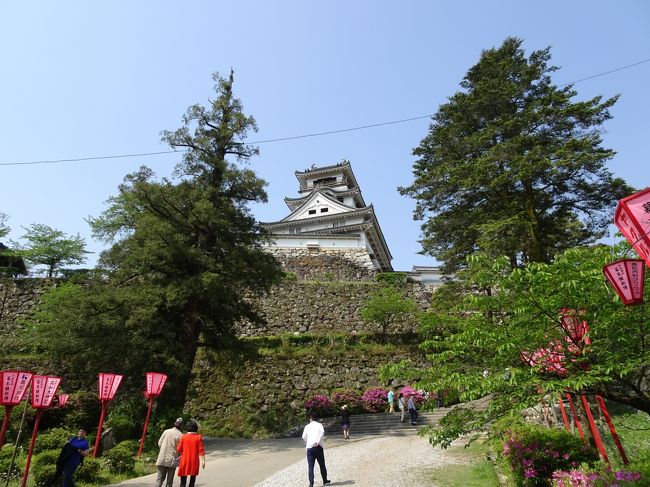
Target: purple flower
pixel 375 399
pixel 529 473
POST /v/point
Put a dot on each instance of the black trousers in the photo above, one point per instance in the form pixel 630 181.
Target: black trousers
pixel 192 480
pixel 316 454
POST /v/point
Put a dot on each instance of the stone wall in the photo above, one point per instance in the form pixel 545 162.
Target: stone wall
pixel 321 307
pixel 18 297
pixel 257 385
pixel 335 264
pixel 267 387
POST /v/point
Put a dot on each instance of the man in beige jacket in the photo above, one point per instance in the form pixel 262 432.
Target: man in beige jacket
pixel 168 457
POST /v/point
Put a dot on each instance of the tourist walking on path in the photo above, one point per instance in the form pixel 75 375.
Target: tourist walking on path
pixel 191 449
pixel 391 401
pixel 412 411
pixel 168 457
pixel 345 421
pixel 401 403
pixel 313 434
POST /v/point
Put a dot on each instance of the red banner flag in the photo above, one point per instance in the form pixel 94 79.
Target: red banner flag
pixel 63 399
pixel 155 383
pixel 627 276
pixel 108 384
pixel 632 217
pixel 43 390
pixel 14 386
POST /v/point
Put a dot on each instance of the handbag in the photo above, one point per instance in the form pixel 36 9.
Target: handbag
pixel 176 461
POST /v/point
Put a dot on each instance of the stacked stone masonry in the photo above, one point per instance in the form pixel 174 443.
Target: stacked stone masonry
pixel 333 264
pixel 18 297
pixel 323 307
pixel 277 383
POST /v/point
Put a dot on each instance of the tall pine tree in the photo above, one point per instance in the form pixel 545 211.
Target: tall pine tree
pixel 513 165
pixel 183 255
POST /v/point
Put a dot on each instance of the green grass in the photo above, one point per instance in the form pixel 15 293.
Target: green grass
pixel 480 474
pixel 472 469
pixel 633 429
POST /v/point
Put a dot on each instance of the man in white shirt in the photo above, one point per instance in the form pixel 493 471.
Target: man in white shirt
pixel 313 435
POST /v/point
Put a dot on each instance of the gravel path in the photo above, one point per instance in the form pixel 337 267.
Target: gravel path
pixel 401 461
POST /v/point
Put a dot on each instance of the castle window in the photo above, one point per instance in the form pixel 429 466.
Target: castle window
pixel 324 181
pixel 324 210
pixel 312 212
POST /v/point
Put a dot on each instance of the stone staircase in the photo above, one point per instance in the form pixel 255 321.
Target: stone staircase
pixel 390 425
pixel 382 423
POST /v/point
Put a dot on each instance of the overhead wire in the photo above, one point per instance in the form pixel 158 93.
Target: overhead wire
pixel 294 137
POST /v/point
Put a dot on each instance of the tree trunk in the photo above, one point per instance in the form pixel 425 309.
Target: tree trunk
pixel 186 347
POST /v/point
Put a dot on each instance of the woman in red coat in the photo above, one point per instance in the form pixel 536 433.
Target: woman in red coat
pixel 191 449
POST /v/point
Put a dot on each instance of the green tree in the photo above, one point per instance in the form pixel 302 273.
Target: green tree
pixel 513 165
pixel 183 255
pixel 51 248
pixel 4 228
pixel 387 306
pixel 494 314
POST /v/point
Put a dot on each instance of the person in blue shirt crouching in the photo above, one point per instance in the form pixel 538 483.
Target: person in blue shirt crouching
pixel 78 448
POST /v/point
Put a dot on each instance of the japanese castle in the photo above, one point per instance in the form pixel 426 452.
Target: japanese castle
pixel 331 215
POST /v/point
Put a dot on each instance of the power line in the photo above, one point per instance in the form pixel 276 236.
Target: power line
pixel 606 72
pixel 295 137
pixel 79 159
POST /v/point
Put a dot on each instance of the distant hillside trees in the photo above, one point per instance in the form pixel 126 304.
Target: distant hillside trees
pixel 183 253
pixel 513 165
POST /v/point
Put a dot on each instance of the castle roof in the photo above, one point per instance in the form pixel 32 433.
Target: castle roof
pixel 314 172
pixel 294 203
pixel 331 194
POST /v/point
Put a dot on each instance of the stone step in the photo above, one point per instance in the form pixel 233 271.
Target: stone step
pixel 382 423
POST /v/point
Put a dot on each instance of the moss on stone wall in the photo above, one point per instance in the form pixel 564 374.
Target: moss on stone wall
pixel 323 307
pixel 260 390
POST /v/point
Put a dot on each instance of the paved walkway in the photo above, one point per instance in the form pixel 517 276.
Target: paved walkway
pixel 241 463
pixel 371 461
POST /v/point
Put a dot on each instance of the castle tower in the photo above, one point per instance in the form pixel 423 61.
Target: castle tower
pixel 330 218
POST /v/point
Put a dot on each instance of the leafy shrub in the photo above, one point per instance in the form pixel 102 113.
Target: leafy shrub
pixel 290 276
pixel 321 405
pixel 392 278
pixel 349 397
pixel 43 466
pixel 89 471
pixel 126 419
pixel 122 426
pixel 5 460
pixel 82 411
pixel 121 458
pixel 53 439
pixel 375 400
pixel 534 452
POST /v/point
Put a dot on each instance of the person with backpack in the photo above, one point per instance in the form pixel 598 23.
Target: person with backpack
pixel 412 411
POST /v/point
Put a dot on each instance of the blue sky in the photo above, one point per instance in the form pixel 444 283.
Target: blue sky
pixel 101 78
